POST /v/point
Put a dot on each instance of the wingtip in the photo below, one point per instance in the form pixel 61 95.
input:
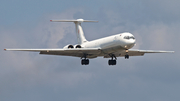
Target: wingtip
pixel 171 52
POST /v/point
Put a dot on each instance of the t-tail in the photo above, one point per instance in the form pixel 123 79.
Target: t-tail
pixel 79 31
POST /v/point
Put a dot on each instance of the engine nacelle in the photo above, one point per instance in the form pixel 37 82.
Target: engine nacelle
pixel 77 46
pixel 68 46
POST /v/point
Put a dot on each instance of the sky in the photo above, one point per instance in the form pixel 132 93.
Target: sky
pixel 28 76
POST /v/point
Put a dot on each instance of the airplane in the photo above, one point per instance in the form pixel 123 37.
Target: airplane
pixel 114 46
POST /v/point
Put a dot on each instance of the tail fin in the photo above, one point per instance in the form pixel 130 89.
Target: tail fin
pixel 79 30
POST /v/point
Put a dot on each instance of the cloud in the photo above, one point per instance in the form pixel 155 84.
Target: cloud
pixel 51 33
pixel 28 65
pixel 157 36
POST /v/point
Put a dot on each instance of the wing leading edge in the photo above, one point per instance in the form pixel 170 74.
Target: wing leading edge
pixel 78 52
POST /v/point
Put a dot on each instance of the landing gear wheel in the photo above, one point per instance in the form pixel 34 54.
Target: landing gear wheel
pixel 85 61
pixel 112 62
pixel 82 62
pixel 126 56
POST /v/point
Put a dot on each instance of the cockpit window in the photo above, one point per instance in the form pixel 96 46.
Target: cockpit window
pixel 129 37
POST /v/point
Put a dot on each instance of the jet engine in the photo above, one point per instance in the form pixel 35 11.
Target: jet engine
pixel 68 46
pixel 77 46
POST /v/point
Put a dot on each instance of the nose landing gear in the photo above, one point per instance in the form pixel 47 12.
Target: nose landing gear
pixel 126 56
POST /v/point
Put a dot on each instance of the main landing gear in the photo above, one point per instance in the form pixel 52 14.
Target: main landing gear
pixel 126 56
pixel 85 61
pixel 112 61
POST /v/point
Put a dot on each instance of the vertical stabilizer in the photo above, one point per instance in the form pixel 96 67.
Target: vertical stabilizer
pixel 79 31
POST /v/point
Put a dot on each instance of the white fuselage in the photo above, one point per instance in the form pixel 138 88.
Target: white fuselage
pixel 112 43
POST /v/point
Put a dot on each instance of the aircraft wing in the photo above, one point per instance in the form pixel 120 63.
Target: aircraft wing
pixel 136 52
pixel 78 52
pixel 91 52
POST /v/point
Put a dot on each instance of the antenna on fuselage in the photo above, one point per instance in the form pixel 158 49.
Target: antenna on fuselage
pixel 79 31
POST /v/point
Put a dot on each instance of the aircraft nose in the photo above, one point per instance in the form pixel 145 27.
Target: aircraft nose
pixel 130 44
pixel 133 42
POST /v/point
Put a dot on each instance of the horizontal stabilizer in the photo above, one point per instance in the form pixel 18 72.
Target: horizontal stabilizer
pixel 78 20
pixel 79 31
